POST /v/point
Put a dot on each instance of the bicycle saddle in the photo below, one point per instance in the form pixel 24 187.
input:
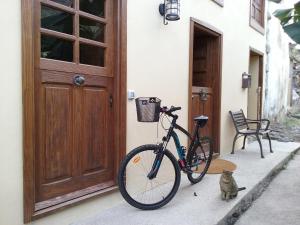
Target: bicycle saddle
pixel 201 120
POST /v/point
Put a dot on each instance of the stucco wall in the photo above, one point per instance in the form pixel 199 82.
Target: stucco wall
pixel 163 54
pixel 277 80
pixel 158 59
pixel 11 179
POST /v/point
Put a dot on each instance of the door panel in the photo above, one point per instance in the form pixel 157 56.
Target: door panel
pixel 76 130
pixel 55 153
pixel 95 129
pixel 58 132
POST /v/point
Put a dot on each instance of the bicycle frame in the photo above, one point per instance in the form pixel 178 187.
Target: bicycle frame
pixel 165 140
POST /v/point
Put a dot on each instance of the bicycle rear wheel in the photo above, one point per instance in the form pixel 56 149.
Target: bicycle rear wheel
pixel 199 159
pixel 140 191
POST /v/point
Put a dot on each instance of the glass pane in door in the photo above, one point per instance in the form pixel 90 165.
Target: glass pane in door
pixel 55 48
pixel 57 20
pixel 92 55
pixel 95 7
pixel 91 29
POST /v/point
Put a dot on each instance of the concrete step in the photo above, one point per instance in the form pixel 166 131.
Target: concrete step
pixel 207 208
pixel 233 215
pixel 279 204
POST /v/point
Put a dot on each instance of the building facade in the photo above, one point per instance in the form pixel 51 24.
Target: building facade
pixel 67 65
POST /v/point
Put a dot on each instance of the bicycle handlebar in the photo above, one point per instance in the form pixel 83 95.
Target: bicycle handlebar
pixel 167 111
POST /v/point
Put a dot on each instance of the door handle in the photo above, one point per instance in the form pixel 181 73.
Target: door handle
pixel 78 80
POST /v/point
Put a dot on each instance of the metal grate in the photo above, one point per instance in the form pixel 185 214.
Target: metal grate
pixel 148 109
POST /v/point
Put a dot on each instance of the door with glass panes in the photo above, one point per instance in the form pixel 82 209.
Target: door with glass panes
pixel 74 87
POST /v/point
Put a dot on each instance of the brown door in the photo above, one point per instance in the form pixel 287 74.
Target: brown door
pixel 254 107
pixel 202 104
pixel 74 80
pixel 205 79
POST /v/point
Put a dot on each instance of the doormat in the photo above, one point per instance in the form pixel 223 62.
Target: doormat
pixel 217 166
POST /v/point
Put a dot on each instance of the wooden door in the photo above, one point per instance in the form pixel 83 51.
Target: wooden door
pixel 254 107
pixel 202 104
pixel 205 78
pixel 202 92
pixel 74 89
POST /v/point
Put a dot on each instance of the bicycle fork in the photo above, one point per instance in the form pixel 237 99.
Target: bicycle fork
pixel 157 162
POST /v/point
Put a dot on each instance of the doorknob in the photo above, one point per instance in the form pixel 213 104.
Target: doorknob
pixel 78 80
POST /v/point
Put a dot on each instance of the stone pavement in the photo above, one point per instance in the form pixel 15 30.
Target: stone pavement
pixel 206 208
pixel 288 130
pixel 285 133
pixel 280 203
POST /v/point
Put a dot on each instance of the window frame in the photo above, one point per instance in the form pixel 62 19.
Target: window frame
pixel 253 22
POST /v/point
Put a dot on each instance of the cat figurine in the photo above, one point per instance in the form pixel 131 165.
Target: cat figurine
pixel 228 186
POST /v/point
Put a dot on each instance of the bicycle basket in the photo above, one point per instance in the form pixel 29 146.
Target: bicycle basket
pixel 147 109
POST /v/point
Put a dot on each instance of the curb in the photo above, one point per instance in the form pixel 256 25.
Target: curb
pixel 242 206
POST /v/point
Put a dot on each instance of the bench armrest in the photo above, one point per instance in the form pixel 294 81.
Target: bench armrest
pixel 262 120
pixel 258 127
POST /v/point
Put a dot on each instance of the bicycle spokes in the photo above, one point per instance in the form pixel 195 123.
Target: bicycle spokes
pixel 149 180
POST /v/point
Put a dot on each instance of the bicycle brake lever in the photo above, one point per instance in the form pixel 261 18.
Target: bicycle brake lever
pixel 164 109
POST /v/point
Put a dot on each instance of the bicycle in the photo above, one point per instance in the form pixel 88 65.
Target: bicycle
pixel 156 166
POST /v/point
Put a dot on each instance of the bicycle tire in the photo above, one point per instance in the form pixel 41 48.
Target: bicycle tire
pixel 200 169
pixel 122 178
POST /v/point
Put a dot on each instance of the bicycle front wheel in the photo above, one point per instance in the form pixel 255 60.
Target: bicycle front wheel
pixel 140 191
pixel 199 159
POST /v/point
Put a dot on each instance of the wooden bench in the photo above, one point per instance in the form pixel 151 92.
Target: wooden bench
pixel 241 124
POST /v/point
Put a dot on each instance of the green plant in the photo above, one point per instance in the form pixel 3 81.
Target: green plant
pixel 290 20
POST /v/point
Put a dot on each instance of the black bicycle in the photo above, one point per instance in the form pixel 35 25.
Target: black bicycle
pixel 149 175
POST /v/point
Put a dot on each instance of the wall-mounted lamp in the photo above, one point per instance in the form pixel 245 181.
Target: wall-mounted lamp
pixel 170 10
pixel 246 80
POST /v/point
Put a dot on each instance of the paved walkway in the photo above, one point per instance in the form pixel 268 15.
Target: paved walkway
pixel 280 203
pixel 206 208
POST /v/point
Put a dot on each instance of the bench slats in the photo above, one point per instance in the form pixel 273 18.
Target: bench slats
pixel 242 129
pixel 239 120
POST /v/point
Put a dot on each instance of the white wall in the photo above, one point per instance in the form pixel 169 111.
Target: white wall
pixel 158 59
pixel 11 203
pixel 277 80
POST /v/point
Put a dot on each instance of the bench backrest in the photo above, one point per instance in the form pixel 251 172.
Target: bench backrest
pixel 239 120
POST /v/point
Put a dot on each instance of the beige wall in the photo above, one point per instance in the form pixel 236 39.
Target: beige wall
pixel 11 178
pixel 158 58
pixel 162 53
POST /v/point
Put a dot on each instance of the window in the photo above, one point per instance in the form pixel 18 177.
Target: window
pixel 69 25
pixel 257 12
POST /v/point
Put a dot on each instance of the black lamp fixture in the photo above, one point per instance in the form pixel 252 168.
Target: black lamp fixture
pixel 170 10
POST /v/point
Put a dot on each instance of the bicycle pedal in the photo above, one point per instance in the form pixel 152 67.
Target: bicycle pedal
pixel 187 170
